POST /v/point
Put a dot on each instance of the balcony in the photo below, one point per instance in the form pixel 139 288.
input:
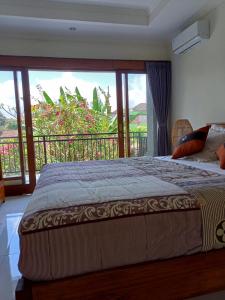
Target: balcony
pixel 67 148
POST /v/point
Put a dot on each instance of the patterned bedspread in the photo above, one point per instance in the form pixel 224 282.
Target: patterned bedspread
pixel 76 193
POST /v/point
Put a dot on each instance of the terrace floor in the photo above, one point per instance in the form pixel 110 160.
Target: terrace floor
pixel 10 214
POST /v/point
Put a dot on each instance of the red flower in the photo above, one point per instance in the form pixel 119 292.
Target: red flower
pixel 98 154
pixel 89 118
pixel 82 105
pixel 4 150
pixel 61 122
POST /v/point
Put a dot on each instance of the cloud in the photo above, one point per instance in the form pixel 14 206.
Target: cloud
pixel 137 88
pixel 70 80
pixel 7 94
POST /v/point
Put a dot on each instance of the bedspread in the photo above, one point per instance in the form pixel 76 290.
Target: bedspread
pixel 75 193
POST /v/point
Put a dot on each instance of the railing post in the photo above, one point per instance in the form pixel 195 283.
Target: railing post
pixel 45 151
pixel 139 144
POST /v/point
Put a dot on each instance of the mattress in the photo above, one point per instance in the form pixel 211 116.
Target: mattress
pixel 91 216
pixel 213 166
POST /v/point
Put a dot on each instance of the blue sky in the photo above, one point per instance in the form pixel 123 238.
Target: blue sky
pixel 4 76
pixel 102 78
pixel 85 81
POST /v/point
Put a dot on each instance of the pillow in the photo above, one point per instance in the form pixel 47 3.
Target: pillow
pixel 216 137
pixel 221 155
pixel 191 143
pixel 217 127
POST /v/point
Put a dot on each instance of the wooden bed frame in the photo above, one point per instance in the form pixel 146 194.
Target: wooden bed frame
pixel 177 278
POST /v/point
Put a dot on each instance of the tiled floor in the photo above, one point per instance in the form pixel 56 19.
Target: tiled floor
pixel 10 215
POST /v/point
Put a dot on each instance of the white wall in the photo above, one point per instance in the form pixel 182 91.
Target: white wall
pixel 80 49
pixel 199 77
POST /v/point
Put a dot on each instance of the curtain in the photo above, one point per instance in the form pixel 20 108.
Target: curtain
pixel 159 78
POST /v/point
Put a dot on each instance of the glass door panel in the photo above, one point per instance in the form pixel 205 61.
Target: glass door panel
pixel 10 143
pixel 23 127
pixel 13 131
pixel 74 116
pixel 135 114
pixel 126 129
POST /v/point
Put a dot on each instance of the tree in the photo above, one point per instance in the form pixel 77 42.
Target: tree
pixel 2 119
pixel 8 119
pixel 74 116
pixel 71 113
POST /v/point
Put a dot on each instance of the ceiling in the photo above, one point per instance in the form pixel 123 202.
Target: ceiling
pixel 116 3
pixel 144 21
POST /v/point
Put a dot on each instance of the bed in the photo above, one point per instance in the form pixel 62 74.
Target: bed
pixel 120 225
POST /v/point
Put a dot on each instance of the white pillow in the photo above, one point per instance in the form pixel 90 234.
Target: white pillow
pixel 215 127
pixel 216 137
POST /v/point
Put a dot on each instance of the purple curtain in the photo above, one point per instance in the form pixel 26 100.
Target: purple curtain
pixel 159 77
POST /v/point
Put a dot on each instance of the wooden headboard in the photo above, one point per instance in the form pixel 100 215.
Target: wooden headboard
pixel 180 128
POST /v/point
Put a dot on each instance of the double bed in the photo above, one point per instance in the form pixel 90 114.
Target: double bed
pixel 108 230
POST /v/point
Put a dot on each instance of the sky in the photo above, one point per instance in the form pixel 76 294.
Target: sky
pixel 51 81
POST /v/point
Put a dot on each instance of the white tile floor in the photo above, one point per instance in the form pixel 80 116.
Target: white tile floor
pixel 10 214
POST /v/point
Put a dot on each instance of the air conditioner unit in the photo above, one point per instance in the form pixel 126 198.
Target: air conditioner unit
pixel 190 37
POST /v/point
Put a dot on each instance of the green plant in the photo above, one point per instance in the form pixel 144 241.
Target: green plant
pixel 72 113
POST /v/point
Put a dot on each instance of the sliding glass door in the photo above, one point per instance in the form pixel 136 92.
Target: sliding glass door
pixel 16 143
pixel 51 116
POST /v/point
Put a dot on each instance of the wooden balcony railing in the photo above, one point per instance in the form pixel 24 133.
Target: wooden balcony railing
pixel 66 148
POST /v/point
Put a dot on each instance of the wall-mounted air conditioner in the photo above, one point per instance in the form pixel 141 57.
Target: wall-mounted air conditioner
pixel 190 37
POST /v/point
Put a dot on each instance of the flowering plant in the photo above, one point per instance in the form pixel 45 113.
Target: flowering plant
pixel 72 113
